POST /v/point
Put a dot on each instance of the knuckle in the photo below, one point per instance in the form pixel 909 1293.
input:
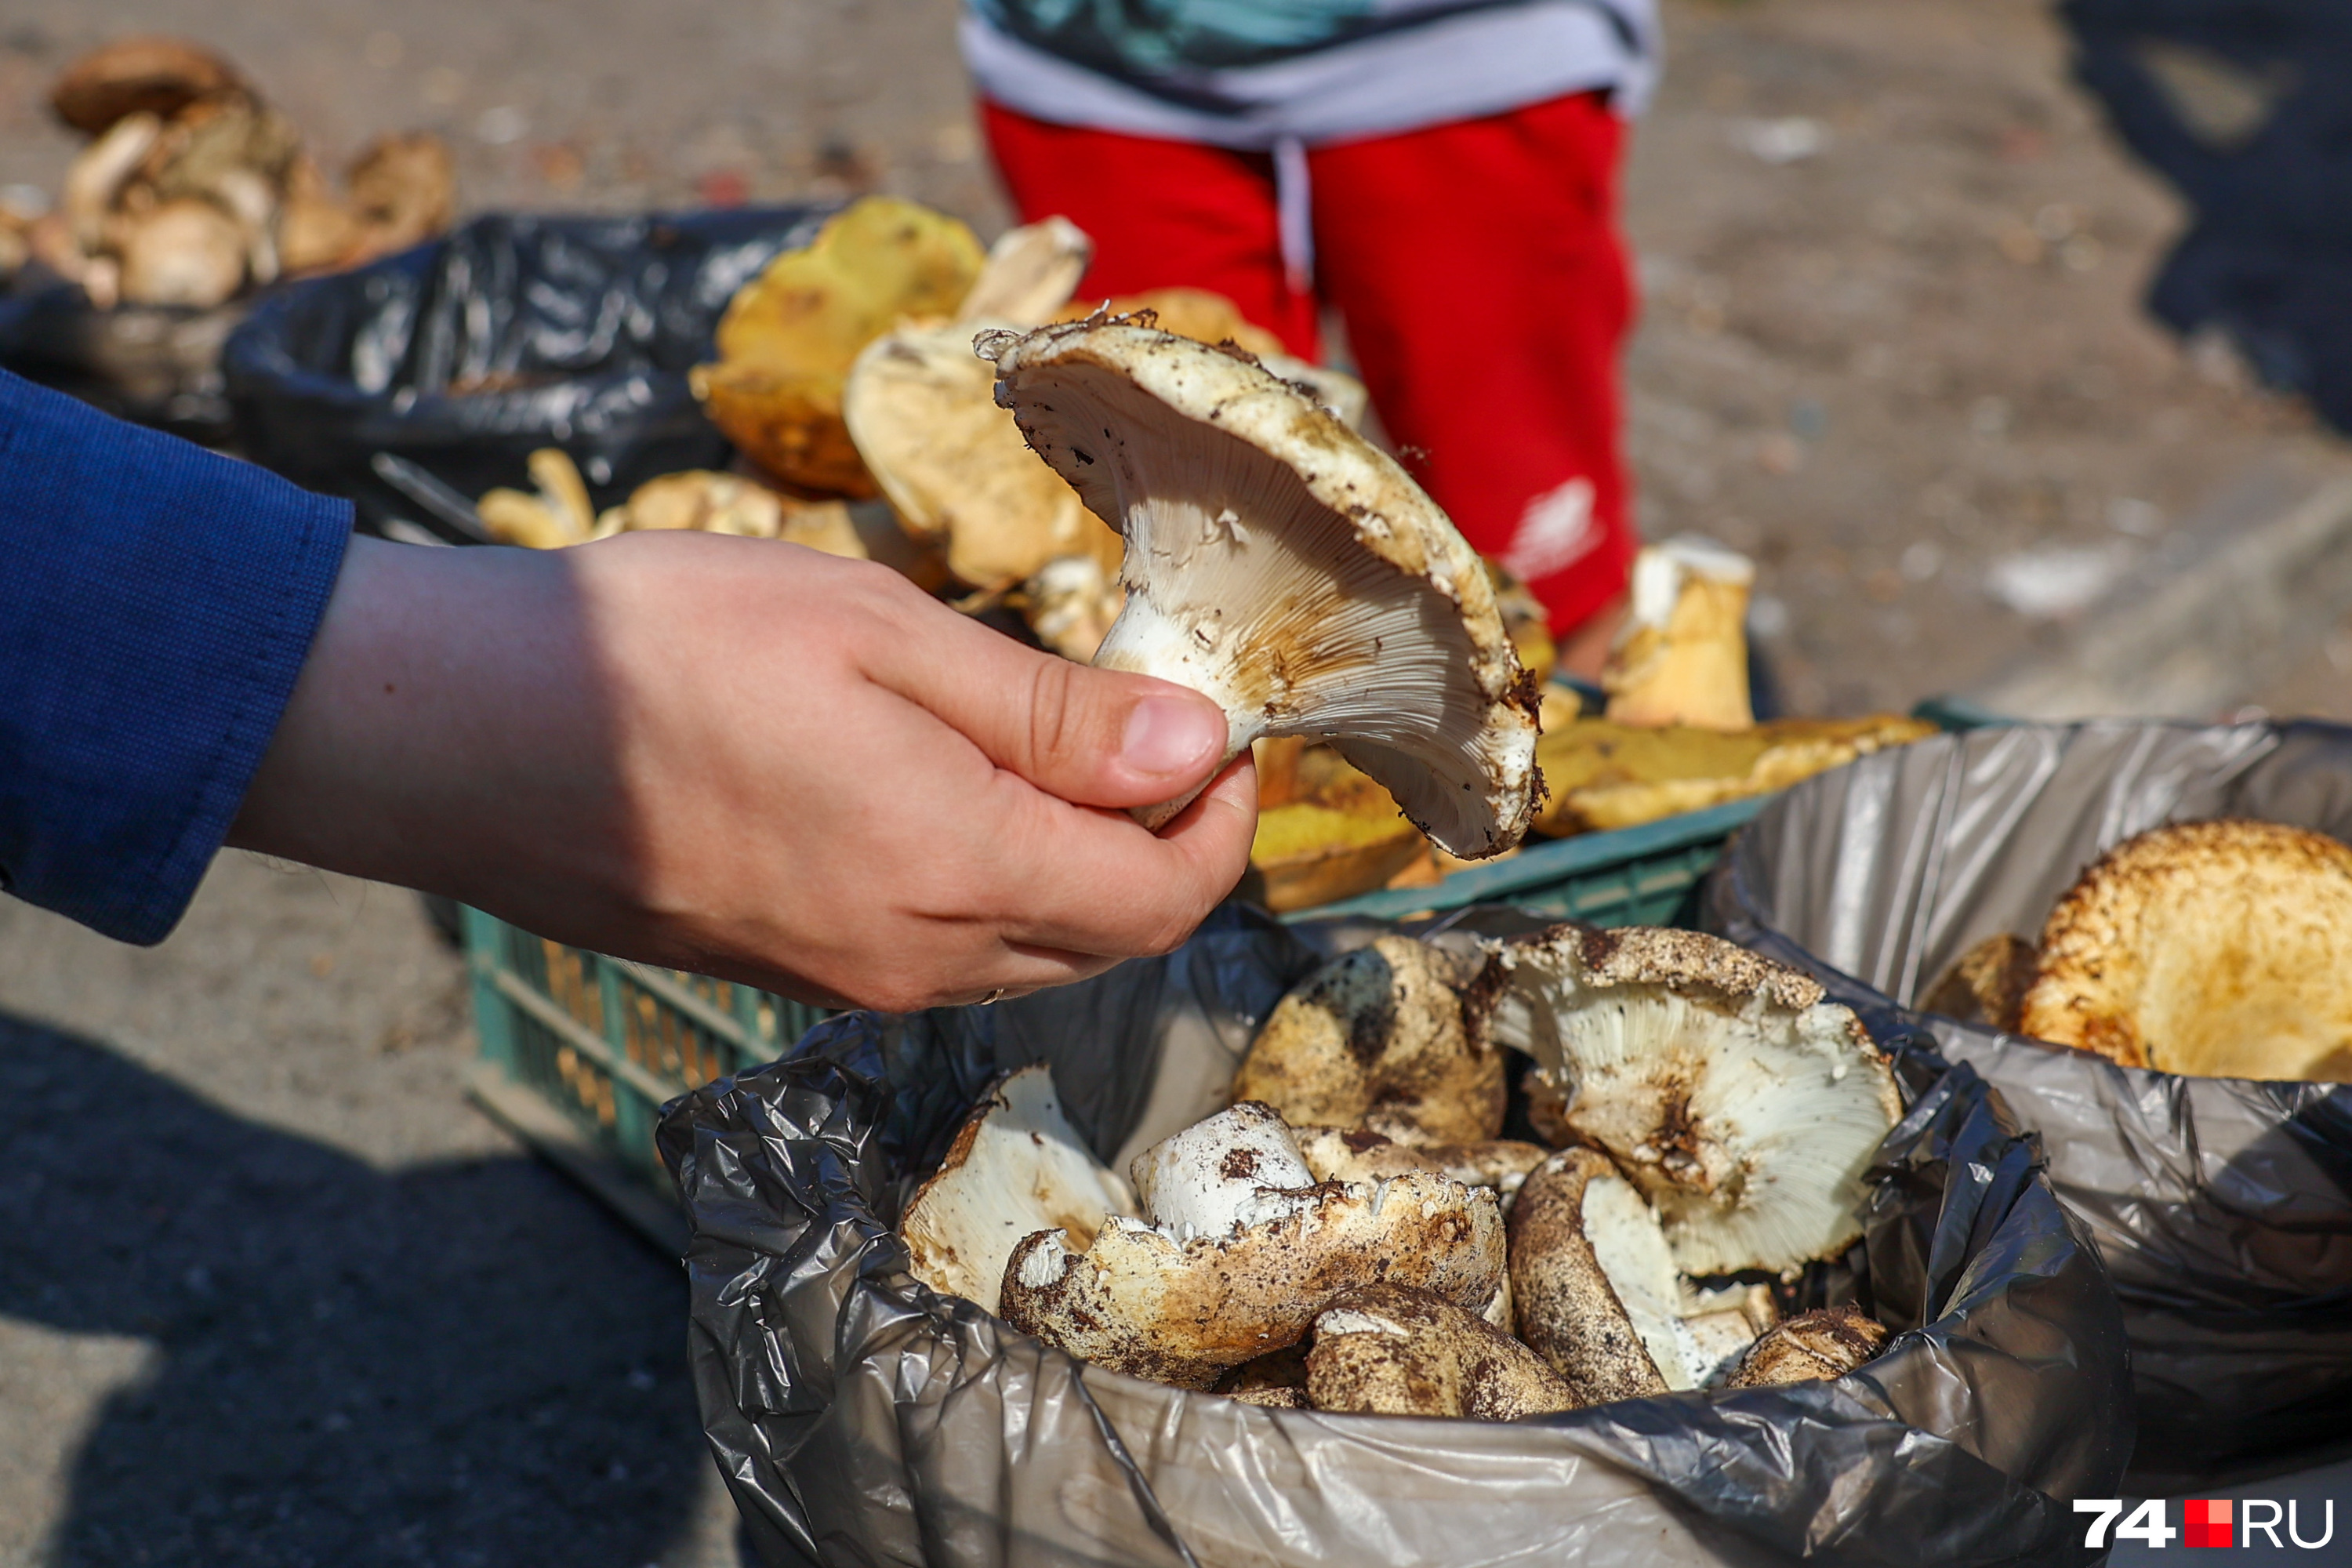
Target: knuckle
pixel 1054 711
pixel 1166 932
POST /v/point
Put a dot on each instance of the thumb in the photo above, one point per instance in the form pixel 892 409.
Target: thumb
pixel 1093 737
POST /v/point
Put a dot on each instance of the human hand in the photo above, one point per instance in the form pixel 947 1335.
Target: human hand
pixel 750 760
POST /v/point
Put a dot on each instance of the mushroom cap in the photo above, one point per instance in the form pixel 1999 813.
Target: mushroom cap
pixel 1392 1350
pixel 1225 1171
pixel 1565 1301
pixel 2215 949
pixel 1826 1344
pixel 1987 985
pixel 1073 600
pixel 145 74
pixel 1283 566
pixel 789 337
pixel 1029 274
pixel 1360 1154
pixel 405 187
pixel 921 410
pixel 1745 1107
pixel 1142 1302
pixel 186 252
pixel 1375 1037
pixel 1680 656
pixel 1016 1167
pixel 1278 1378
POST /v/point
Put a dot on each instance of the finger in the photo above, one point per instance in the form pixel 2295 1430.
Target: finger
pixel 1096 737
pixel 1074 879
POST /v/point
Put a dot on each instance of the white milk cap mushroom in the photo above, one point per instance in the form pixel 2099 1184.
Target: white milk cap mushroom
pixel 1633 1251
pixel 1234 1169
pixel 1285 567
pixel 1745 1106
pixel 1144 1302
pixel 1030 273
pixel 1016 1167
pixel 1224 1270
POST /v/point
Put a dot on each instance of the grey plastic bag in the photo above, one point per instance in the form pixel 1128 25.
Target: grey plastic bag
pixel 861 1418
pixel 2223 1208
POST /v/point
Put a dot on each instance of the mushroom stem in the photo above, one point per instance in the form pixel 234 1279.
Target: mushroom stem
pixel 1142 641
pixel 1568 1308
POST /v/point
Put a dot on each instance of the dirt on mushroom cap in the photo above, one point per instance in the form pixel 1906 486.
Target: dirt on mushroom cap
pixel 1139 1301
pixel 1377 1037
pixel 1392 1350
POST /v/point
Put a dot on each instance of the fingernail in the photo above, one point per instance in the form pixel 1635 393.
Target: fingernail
pixel 1169 735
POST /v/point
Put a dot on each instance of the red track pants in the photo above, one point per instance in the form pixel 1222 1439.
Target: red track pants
pixel 1477 264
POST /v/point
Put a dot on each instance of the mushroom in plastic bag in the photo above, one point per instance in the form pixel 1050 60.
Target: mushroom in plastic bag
pixel 860 1417
pixel 2222 1205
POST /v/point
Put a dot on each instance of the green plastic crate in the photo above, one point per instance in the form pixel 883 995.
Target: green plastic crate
pixel 1634 876
pixel 579 1051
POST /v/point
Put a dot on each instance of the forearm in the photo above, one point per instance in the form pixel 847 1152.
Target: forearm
pixel 447 691
pixel 746 759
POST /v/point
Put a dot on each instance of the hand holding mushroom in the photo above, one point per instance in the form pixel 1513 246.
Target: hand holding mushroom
pixel 1285 566
pixel 704 752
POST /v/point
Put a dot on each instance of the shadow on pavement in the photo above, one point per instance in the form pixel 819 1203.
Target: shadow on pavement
pixel 453 1364
pixel 2245 106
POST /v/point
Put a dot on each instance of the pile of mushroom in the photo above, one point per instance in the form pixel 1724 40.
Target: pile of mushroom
pixel 558 512
pixel 1235 1249
pixel 191 188
pixel 1355 1235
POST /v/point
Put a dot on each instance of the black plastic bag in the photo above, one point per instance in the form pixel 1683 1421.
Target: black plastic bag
pixel 861 1418
pixel 157 365
pixel 2223 1208
pixel 511 332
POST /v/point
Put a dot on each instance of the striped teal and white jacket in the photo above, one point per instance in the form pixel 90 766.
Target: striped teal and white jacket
pixel 1260 73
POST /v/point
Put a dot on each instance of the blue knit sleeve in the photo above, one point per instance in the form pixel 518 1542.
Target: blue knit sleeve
pixel 156 602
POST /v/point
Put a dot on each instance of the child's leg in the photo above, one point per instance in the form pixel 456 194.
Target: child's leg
pixel 1162 213
pixel 1487 292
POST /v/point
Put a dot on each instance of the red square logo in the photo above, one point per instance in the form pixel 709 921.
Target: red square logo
pixel 2207 1521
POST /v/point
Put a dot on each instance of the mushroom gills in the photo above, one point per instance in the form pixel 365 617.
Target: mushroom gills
pixel 1017 1167
pixel 1745 1107
pixel 1284 567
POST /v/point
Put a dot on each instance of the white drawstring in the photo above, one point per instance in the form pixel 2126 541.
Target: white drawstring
pixel 1293 214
